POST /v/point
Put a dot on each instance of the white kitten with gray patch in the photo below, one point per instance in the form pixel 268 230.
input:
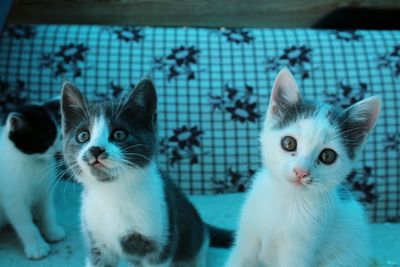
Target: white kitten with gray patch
pixel 296 213
pixel 129 210
pixel 29 138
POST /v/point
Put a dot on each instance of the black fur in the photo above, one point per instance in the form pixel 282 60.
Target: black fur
pixel 220 237
pixel 36 130
pixel 186 229
pixel 137 244
pixel 53 107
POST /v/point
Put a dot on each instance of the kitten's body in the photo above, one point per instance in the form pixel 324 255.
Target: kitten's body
pixel 296 213
pixel 298 230
pixel 141 207
pixel 129 210
pixel 27 171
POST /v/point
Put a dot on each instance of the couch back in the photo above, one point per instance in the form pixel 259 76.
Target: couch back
pixel 214 86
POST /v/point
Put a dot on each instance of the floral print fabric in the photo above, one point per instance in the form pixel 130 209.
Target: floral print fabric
pixel 213 87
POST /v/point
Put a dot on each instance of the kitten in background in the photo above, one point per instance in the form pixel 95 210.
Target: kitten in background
pixel 129 210
pixel 29 138
pixel 296 212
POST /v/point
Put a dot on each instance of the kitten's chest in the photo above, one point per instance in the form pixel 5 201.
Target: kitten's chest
pixel 286 212
pixel 110 217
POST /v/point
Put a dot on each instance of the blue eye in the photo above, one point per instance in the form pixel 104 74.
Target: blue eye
pixel 83 136
pixel 119 135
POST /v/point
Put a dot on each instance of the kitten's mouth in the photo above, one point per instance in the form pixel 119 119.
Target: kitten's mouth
pixel 302 182
pixel 96 164
pixel 101 171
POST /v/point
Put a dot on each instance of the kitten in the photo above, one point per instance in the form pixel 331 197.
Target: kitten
pixel 297 213
pixel 28 140
pixel 129 210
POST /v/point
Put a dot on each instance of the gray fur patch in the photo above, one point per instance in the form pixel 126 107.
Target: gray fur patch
pixel 288 114
pixel 137 244
pixel 352 132
pixel 135 115
pixel 95 256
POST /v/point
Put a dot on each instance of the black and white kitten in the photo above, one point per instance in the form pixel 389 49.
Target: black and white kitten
pixel 129 210
pixel 29 138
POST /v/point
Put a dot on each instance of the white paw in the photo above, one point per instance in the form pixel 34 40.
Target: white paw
pixel 55 234
pixel 37 251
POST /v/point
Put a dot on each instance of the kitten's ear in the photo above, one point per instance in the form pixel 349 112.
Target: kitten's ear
pixel 73 105
pixel 285 92
pixel 16 121
pixel 53 107
pixel 144 96
pixel 357 121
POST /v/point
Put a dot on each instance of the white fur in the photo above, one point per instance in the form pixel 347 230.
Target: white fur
pixel 284 224
pixel 133 202
pixel 283 227
pixel 26 193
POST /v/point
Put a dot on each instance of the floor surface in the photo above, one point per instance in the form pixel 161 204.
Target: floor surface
pixel 221 210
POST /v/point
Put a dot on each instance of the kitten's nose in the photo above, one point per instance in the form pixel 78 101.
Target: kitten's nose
pixel 301 174
pixel 96 151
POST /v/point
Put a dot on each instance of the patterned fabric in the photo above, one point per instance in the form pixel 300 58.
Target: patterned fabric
pixel 213 87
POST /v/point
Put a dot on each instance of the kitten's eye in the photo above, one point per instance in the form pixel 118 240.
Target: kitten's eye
pixel 328 156
pixel 83 136
pixel 288 143
pixel 119 135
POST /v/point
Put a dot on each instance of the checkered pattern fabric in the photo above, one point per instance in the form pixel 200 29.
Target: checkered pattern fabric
pixel 213 87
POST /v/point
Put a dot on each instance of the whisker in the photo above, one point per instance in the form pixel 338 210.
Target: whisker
pixel 137 154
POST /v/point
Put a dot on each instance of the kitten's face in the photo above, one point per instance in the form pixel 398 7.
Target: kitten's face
pixel 103 141
pixel 309 146
pixel 33 130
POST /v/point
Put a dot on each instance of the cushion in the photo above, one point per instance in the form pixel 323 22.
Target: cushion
pixel 213 87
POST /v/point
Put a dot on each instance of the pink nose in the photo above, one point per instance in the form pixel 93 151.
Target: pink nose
pixel 300 173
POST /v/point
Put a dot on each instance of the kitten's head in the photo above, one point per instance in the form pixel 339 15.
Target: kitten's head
pixel 33 129
pixel 313 146
pixel 104 140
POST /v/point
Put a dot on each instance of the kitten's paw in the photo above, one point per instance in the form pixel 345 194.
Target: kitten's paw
pixel 55 234
pixel 37 251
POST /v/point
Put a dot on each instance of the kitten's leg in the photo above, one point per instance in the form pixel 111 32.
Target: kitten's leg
pixel 201 260
pixel 245 252
pixel 101 257
pixel 346 260
pixel 47 217
pixel 147 264
pixel 21 219
pixel 297 253
pixel 98 254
